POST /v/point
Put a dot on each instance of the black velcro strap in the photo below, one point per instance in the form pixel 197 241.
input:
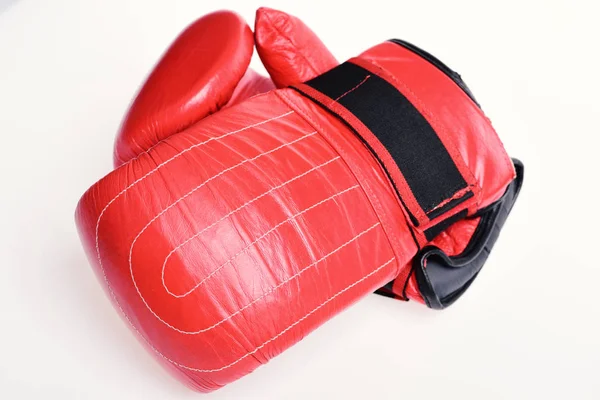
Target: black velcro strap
pixel 415 147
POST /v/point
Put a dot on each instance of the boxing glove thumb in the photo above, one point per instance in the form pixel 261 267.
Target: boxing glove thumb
pixel 289 49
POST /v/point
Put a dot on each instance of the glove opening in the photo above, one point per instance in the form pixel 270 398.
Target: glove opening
pixel 442 279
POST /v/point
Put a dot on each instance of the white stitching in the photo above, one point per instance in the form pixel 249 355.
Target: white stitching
pixel 171 159
pixel 274 288
pixel 108 286
pixel 210 226
pixel 113 295
pixel 216 138
pixel 156 169
pixel 290 326
pixel 248 246
pixel 212 178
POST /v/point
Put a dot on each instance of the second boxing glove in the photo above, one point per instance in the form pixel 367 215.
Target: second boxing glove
pixel 206 69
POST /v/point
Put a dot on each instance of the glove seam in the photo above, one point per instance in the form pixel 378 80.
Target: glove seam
pixel 286 37
pixel 377 208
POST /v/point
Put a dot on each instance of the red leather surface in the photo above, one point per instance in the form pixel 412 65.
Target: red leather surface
pixel 466 127
pixel 196 76
pixel 290 51
pixel 228 241
pixel 447 108
pixel 251 84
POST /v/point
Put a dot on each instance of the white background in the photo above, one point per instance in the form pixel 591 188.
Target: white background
pixel 528 328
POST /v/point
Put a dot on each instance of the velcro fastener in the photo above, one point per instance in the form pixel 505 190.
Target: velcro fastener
pixel 425 173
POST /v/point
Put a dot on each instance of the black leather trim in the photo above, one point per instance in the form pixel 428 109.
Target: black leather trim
pixel 442 279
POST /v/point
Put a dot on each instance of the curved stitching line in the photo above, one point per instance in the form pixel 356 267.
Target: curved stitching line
pixel 219 174
pixel 108 286
pixel 297 274
pixel 246 247
pixel 112 293
pixel 212 178
pixel 213 224
pixel 258 348
pixel 171 159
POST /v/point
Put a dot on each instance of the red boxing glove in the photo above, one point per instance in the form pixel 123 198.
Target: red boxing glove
pixel 236 235
pixel 206 69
